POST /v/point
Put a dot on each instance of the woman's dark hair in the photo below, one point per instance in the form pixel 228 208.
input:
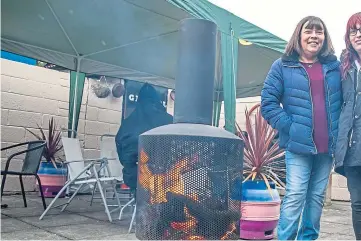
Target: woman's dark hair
pixel 349 55
pixel 294 45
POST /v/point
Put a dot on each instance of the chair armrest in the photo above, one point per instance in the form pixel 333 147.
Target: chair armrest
pixel 10 158
pixel 100 159
pixel 12 146
pixel 91 160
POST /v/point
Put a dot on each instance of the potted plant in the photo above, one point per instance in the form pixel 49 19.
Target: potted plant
pixel 52 172
pixel 263 171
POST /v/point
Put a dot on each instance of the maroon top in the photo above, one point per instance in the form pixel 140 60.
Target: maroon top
pixel 320 123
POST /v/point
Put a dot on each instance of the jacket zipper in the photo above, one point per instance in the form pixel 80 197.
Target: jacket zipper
pixel 329 108
pixel 313 118
pixel 354 108
pixel 309 84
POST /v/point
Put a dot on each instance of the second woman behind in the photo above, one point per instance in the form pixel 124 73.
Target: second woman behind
pixel 307 82
pixel 348 148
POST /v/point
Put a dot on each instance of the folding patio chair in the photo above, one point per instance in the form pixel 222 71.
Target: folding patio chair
pixel 74 168
pixel 88 175
pixel 109 150
pixel 133 203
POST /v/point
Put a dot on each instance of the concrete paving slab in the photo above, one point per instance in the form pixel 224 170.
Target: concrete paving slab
pixel 63 219
pixel 81 206
pixel 16 201
pixel 121 237
pixel 338 206
pixel 32 234
pixel 327 236
pixel 336 228
pixel 89 231
pixel 99 215
pixel 12 225
pixel 337 216
pixel 102 216
pixel 26 212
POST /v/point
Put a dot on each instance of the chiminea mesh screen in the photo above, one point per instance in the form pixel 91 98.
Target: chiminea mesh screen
pixel 185 185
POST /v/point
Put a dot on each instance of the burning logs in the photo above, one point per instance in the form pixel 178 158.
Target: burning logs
pixel 181 216
pixel 205 221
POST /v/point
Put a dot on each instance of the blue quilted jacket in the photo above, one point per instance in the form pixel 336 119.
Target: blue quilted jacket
pixel 287 83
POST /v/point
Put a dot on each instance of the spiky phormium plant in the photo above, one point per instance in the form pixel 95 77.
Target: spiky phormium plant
pixel 53 138
pixel 263 158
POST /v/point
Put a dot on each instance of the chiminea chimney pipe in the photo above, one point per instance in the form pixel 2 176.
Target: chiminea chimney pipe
pixel 195 72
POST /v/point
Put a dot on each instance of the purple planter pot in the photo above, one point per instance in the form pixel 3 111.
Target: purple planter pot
pixel 260 211
pixel 257 230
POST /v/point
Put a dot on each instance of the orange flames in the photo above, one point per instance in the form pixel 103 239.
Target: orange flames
pixel 159 185
pixel 195 237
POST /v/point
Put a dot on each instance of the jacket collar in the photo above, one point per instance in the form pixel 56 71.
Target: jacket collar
pixel 352 71
pixel 358 65
pixel 330 61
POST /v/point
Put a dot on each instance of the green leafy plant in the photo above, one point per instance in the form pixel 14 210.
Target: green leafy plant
pixel 263 158
pixel 53 141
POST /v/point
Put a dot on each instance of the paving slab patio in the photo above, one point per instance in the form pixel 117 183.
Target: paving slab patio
pixel 84 222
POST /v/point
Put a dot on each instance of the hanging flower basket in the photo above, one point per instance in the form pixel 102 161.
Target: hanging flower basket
pixel 101 90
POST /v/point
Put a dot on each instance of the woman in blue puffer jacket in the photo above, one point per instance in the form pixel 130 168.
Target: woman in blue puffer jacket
pixel 306 81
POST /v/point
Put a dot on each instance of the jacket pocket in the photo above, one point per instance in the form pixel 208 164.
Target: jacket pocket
pixel 291 131
pixel 284 138
pixel 299 133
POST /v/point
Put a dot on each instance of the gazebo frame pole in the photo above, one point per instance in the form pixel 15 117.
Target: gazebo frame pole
pixel 78 60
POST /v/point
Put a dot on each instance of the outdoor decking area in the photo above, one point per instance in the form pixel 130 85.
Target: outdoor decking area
pixel 81 221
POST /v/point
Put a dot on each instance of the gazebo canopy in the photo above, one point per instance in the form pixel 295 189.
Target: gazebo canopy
pixel 137 40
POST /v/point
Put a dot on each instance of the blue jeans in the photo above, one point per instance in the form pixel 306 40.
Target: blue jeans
pixel 307 178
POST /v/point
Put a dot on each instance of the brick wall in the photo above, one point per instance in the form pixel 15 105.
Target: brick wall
pixel 31 95
pixel 241 105
pixel 339 188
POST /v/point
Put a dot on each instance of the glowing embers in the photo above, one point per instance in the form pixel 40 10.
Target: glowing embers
pixel 174 210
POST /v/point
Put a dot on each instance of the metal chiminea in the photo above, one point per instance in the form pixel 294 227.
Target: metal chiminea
pixel 187 169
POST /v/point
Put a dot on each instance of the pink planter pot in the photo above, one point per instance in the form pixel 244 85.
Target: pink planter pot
pixel 259 220
pixel 52 184
pixel 52 179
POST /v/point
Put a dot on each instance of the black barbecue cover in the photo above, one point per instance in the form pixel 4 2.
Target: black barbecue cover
pixel 148 114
